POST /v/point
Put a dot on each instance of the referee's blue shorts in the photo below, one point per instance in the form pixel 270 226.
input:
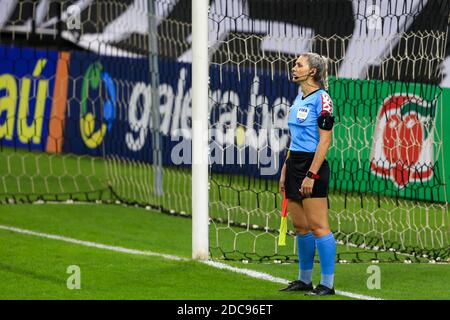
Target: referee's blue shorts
pixel 297 165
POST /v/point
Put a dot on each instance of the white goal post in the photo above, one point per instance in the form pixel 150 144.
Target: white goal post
pixel 200 152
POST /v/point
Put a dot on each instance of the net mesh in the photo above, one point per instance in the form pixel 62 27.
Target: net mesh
pixel 387 181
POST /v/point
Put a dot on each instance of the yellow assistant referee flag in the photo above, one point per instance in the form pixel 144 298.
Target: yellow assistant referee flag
pixel 283 224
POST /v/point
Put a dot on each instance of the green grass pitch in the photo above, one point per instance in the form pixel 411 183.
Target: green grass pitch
pixel 35 268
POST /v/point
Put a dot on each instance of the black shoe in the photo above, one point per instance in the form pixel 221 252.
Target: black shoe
pixel 321 290
pixel 298 285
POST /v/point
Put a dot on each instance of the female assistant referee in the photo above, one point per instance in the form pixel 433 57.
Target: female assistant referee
pixel 305 174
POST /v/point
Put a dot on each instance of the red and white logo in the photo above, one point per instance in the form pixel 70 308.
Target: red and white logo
pixel 403 140
pixel 327 104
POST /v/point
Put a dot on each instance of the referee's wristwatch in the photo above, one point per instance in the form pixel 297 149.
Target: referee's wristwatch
pixel 312 175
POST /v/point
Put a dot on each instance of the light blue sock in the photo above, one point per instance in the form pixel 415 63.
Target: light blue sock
pixel 326 246
pixel 327 280
pixel 306 252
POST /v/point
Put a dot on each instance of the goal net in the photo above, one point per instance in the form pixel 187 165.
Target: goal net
pixel 95 105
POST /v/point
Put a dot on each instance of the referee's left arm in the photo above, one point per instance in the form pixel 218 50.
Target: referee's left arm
pixel 325 137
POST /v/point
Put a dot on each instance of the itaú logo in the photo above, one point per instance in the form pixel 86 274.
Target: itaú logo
pixel 402 148
pixel 94 126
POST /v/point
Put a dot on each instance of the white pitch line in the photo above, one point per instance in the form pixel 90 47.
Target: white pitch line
pixel 92 244
pixel 268 277
pixel 215 264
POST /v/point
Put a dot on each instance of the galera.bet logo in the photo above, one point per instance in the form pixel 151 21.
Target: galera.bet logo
pixel 403 140
pixel 92 131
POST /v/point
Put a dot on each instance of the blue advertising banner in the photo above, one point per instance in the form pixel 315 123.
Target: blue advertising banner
pixel 27 80
pixel 110 113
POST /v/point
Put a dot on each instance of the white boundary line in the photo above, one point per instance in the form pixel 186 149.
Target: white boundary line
pixel 91 244
pixel 268 277
pixel 214 264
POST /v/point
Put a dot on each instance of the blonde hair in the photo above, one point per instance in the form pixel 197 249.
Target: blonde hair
pixel 320 63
